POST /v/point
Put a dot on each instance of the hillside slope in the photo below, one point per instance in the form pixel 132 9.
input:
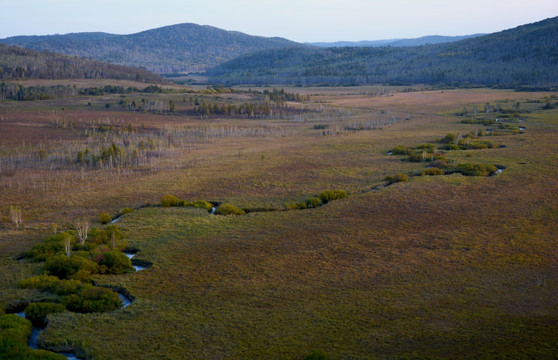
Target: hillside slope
pixel 18 63
pixel 526 55
pixel 171 49
pixel 431 39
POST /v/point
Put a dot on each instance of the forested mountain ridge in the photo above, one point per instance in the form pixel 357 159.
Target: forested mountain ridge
pixel 526 55
pixel 19 64
pixel 181 48
pixel 430 39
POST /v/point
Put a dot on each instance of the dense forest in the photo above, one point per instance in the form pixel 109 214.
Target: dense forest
pixel 171 49
pixel 20 64
pixel 526 55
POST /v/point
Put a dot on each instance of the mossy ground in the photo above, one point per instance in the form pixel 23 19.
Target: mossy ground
pixel 436 267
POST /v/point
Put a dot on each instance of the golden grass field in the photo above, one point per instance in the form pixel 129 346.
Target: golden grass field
pixel 437 267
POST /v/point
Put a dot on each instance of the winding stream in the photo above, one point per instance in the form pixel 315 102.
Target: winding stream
pixel 125 300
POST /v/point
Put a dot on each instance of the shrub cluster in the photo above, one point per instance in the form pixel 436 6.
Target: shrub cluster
pixel 37 312
pixel 432 171
pixel 228 209
pixel 331 195
pixel 14 334
pixel 469 169
pixel 92 299
pixel 397 178
pixel 105 218
pixel 170 200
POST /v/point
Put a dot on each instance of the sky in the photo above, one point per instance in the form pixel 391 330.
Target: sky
pixel 297 20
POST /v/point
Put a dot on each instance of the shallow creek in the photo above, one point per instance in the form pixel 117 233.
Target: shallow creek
pixel 36 331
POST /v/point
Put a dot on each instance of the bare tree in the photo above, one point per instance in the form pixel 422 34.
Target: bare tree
pixel 67 245
pixel 82 228
pixel 15 213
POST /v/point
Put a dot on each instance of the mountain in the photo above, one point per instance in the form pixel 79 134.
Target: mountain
pixel 526 55
pixel 431 39
pixel 182 48
pixel 18 63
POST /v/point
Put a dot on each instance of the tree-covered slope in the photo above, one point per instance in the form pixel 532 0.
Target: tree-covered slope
pixel 526 55
pixel 18 63
pixel 170 49
pixel 431 39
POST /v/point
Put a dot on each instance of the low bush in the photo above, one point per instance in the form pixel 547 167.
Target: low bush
pixel 397 178
pixel 92 299
pixel 104 218
pixel 63 267
pixel 432 171
pixel 429 148
pixel 37 312
pixel 330 195
pixel 228 209
pixel 104 236
pixel 400 150
pixel 169 200
pixel 41 282
pixel 127 210
pixel 50 246
pixel 449 139
pixel 469 169
pixel 115 262
pixel 199 204
pixel 13 330
pixel 312 202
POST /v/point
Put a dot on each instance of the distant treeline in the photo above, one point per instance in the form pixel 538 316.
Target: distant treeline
pixel 527 55
pixel 19 64
pixel 18 92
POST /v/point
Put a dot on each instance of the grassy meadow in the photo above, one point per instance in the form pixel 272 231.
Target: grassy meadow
pixel 436 267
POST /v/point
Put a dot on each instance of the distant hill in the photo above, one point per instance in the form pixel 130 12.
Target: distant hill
pixel 526 55
pixel 431 39
pixel 18 63
pixel 182 48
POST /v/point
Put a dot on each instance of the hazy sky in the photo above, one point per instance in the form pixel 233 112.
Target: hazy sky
pixel 298 20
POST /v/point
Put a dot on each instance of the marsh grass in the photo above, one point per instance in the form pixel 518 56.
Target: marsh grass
pixel 436 267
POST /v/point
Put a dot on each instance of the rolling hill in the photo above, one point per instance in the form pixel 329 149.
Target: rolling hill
pixel 182 48
pixel 526 55
pixel 424 40
pixel 18 63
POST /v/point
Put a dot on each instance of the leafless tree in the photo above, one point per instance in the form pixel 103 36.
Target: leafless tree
pixel 67 245
pixel 82 228
pixel 15 213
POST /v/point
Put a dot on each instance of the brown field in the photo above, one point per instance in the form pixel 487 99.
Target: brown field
pixel 436 267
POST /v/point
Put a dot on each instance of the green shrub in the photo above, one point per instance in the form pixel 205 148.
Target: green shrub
pixel 397 178
pixel 127 210
pixel 104 218
pixel 169 200
pixel 451 147
pixel 228 209
pixel 50 246
pixel 14 328
pixel 37 312
pixel 400 150
pixel 14 334
pixel 430 148
pixel 330 195
pixel 449 138
pixel 115 262
pixel 199 204
pixel 432 171
pixel 64 267
pixel 312 202
pixel 92 299
pixel 469 169
pixel 41 282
